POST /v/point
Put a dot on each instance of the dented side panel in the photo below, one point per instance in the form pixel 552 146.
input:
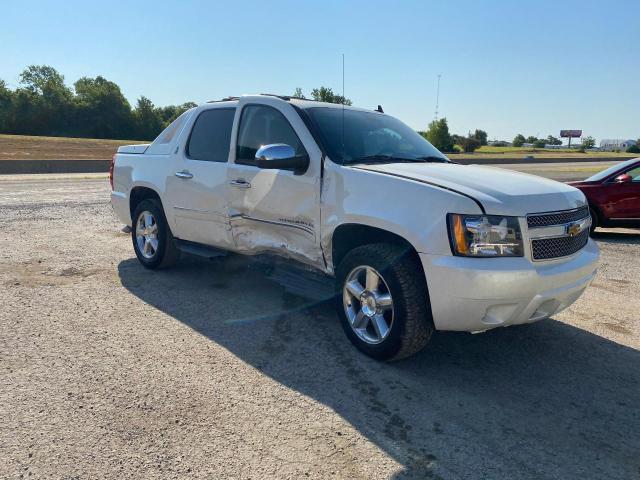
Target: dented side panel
pixel 277 211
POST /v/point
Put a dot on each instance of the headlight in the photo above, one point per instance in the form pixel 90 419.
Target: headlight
pixel 485 236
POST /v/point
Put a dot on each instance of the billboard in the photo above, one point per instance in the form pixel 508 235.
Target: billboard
pixel 570 133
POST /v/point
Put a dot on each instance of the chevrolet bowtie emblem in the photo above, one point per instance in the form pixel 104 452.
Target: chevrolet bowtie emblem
pixel 575 228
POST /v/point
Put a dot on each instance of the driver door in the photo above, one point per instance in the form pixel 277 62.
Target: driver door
pixel 274 210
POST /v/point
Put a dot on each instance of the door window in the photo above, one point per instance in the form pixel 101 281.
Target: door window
pixel 211 135
pixel 262 125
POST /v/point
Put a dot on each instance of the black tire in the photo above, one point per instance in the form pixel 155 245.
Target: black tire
pixel 167 253
pixel 412 324
pixel 594 220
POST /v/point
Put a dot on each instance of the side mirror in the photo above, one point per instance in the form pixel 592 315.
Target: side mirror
pixel 624 178
pixel 281 156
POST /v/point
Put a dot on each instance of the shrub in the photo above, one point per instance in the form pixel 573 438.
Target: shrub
pixel 469 144
pixel 633 149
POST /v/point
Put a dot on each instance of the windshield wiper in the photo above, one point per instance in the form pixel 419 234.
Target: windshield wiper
pixel 380 158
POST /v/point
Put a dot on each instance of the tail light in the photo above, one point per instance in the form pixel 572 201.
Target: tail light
pixel 113 162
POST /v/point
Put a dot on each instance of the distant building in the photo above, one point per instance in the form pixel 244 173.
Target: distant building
pixel 498 143
pixel 610 144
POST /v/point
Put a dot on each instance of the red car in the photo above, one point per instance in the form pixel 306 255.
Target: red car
pixel 614 195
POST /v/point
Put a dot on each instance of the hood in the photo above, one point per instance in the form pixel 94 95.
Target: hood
pixel 499 191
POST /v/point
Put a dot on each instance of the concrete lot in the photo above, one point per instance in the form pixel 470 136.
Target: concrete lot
pixel 212 370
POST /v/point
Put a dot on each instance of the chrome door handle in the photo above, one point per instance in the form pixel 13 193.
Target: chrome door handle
pixel 184 174
pixel 240 183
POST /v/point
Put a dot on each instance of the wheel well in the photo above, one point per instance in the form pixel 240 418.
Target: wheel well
pixel 349 236
pixel 599 217
pixel 139 194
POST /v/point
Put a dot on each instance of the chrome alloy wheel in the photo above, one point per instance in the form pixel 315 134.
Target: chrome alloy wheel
pixel 368 304
pixel 147 234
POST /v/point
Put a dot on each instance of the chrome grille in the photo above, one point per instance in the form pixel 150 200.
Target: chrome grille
pixel 557 218
pixel 556 247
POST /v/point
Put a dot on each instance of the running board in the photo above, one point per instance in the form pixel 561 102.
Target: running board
pixel 199 249
pixel 304 283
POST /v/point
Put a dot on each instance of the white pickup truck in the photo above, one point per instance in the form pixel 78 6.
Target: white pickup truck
pixel 416 243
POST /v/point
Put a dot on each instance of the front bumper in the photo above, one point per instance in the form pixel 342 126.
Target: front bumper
pixel 476 294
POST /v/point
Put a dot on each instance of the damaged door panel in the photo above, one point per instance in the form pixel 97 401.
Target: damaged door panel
pixel 273 210
pixel 278 213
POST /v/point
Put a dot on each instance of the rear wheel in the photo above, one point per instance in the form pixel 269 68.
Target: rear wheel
pixel 383 301
pixel 152 239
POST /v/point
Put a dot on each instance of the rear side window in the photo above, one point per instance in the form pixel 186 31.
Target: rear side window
pixel 211 135
pixel 262 125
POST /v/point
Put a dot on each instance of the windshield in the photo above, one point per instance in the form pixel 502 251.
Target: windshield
pixel 611 170
pixel 370 136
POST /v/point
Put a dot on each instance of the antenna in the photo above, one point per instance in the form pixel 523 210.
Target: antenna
pixel 343 100
pixel 438 96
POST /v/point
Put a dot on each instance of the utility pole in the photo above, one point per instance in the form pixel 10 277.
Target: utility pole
pixel 438 96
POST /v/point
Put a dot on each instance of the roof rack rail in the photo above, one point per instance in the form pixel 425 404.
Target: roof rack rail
pixel 286 98
pixel 289 97
pixel 225 99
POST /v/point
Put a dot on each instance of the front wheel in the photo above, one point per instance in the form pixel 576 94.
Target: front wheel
pixel 152 239
pixel 383 302
pixel 594 221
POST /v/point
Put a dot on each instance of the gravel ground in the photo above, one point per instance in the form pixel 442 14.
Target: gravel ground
pixel 212 370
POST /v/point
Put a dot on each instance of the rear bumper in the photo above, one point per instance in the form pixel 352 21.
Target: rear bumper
pixel 476 294
pixel 120 205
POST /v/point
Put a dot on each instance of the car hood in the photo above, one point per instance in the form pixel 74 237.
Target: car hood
pixel 499 191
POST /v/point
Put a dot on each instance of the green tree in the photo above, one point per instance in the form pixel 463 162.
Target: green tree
pixel 531 139
pixel 102 111
pixel 169 113
pixel 44 103
pixel 147 119
pixel 438 135
pixel 298 93
pixel 6 107
pixel 96 107
pixel 634 148
pixel 324 94
pixel 588 142
pixel 518 140
pixel 551 140
pixel 539 143
pixel 480 136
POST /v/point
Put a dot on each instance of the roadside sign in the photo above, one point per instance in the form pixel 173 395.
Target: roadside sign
pixel 570 133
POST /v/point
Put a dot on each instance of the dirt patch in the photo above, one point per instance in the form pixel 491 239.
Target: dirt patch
pixel 24 147
pixel 37 273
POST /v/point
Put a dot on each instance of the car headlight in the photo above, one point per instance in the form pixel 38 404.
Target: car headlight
pixel 485 235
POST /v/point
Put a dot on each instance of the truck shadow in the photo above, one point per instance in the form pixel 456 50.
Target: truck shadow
pixel 545 400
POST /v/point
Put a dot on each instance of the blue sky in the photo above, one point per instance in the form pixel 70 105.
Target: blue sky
pixel 507 67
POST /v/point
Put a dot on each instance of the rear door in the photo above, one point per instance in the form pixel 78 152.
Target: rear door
pixel 274 210
pixel 197 189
